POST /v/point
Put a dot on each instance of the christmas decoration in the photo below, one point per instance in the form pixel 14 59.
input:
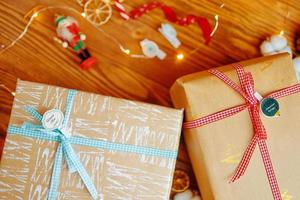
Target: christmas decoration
pixel 169 14
pixel 279 44
pixel 37 10
pixel 151 49
pixel 181 181
pixel 98 12
pixel 68 31
pixel 90 8
pixel 169 32
pixel 276 44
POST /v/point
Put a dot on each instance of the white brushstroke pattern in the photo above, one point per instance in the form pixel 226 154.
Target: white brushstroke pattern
pixel 117 175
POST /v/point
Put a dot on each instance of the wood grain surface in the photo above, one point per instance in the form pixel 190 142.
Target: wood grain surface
pixel 243 25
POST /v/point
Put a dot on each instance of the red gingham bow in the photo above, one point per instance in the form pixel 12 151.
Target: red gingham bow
pixel 259 136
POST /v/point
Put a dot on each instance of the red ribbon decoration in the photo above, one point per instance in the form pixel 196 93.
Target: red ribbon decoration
pixel 169 14
pixel 260 134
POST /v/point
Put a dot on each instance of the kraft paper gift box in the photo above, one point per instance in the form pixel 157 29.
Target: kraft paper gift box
pixel 127 149
pixel 217 148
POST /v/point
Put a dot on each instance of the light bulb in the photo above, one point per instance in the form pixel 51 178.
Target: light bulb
pixel 180 56
pixel 127 51
pixel 35 14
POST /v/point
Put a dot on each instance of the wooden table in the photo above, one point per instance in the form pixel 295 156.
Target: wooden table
pixel 243 24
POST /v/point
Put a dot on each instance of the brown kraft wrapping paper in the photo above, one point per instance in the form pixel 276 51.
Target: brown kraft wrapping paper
pixel 27 163
pixel 217 148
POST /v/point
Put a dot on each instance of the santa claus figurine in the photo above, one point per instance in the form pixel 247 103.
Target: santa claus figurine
pixel 67 30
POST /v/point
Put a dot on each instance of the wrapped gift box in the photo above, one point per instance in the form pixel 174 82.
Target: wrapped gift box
pixel 216 149
pixel 127 148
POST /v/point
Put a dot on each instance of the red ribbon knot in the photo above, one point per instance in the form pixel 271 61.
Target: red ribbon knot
pixel 246 90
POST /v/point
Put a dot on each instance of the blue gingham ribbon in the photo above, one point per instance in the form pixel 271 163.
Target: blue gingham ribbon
pixel 65 148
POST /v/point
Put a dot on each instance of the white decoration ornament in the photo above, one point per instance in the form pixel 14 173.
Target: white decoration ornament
pixel 276 44
pixel 186 195
pixel 151 49
pixel 266 48
pixel 169 32
pixel 296 62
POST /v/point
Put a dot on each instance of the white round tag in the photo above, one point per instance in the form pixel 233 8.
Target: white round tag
pixel 52 119
pixel 149 48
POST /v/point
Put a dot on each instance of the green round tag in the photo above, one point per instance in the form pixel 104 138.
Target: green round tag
pixel 269 107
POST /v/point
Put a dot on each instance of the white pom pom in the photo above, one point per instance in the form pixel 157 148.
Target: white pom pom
pixel 65 45
pixel 288 50
pixel 296 62
pixel 278 42
pixel 195 198
pixel 187 195
pixel 266 48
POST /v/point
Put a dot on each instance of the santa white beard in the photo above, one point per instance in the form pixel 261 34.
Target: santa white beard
pixel 64 33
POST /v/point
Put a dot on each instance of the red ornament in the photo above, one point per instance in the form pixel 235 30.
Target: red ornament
pixel 169 14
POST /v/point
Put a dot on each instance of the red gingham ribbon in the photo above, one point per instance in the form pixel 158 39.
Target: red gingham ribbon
pixel 259 136
pixel 169 14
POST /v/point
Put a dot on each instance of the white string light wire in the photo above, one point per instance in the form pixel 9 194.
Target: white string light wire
pixel 115 40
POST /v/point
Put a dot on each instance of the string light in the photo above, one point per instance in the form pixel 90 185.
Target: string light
pixel 41 10
pixel 127 51
pixel 35 14
pixel 20 36
pixel 83 14
pixel 216 25
pixel 7 89
pixel 284 22
pixel 180 56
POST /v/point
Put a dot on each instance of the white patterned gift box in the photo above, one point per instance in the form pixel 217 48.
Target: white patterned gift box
pixel 102 148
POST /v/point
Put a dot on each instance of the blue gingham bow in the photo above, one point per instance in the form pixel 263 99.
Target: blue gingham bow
pixel 64 149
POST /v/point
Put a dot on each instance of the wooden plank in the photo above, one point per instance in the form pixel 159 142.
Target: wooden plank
pixel 243 25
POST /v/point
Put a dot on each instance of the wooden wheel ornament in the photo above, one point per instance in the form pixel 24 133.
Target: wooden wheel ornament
pixel 98 12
